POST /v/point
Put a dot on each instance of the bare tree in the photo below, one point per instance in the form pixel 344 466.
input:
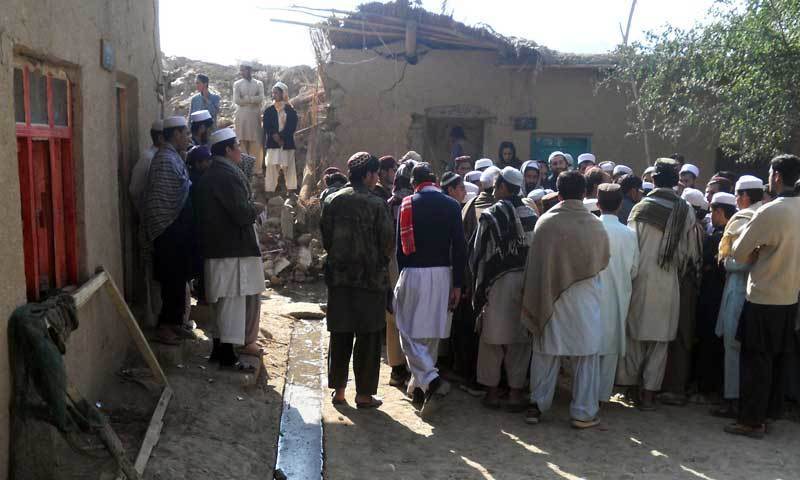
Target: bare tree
pixel 635 88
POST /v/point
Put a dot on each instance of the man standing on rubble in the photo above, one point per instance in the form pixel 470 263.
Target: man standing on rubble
pixel 204 99
pixel 357 233
pixel 248 96
pixel 431 257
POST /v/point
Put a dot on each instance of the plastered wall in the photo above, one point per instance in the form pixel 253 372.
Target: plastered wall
pixel 374 99
pixel 68 33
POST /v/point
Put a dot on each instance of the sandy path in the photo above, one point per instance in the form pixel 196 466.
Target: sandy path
pixel 467 441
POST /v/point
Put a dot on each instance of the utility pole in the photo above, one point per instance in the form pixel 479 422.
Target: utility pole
pixel 635 88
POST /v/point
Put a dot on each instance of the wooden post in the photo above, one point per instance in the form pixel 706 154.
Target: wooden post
pixel 411 42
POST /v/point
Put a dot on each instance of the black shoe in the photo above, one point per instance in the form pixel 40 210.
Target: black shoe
pixel 399 376
pixel 227 355
pixel 437 390
pixel 418 398
pixel 214 356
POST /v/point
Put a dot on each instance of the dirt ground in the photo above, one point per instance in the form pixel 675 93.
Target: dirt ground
pixel 225 425
pixel 467 441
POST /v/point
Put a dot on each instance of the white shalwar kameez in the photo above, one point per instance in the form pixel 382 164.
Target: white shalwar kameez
pixel 574 330
pixel 248 95
pixel 421 313
pixel 616 281
pixel 228 283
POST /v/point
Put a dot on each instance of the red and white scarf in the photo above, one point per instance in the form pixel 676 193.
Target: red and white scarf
pixel 407 220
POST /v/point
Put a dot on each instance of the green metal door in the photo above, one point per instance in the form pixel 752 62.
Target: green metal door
pixel 543 145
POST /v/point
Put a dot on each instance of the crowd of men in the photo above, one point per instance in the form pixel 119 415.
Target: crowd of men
pixel 493 276
pixel 198 216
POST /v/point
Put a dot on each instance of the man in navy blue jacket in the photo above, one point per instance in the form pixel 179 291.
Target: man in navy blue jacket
pixel 431 255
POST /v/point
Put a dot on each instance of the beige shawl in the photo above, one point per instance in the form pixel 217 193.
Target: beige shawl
pixel 569 245
pixel 734 228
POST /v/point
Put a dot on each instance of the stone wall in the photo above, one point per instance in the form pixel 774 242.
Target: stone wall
pixel 380 105
pixel 68 33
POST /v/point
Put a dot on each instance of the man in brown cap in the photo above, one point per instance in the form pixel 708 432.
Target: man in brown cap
pixel 358 235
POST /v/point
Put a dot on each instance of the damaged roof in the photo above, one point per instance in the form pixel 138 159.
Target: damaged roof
pixel 376 23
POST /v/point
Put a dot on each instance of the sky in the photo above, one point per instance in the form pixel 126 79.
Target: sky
pixel 241 29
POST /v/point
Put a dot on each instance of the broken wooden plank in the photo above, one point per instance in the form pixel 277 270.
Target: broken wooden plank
pixel 88 289
pixel 153 433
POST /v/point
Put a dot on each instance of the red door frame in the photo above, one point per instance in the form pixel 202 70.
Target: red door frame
pixel 62 190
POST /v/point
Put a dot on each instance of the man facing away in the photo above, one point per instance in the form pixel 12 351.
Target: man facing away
pixel 248 96
pixel 498 263
pixel 749 196
pixel 617 281
pixel 169 226
pixel 664 224
pixel 561 302
pixel 431 255
pixel 204 99
pixel 767 326
pixel 357 233
pixel 232 266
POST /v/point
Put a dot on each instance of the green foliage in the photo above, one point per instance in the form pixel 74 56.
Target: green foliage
pixel 737 75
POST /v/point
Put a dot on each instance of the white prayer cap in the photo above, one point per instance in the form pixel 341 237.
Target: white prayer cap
pixel 471 188
pixel 749 182
pixel 591 204
pixel 607 166
pixel 157 125
pixel 647 186
pixel 483 163
pixel 586 157
pixel 282 86
pixel 622 170
pixel 473 176
pixel 512 176
pixel 569 158
pixel 722 198
pixel 689 168
pixel 221 135
pixel 649 170
pixel 246 63
pixel 695 197
pixel 175 122
pixel 537 194
pixel 411 155
pixel 530 164
pixel 488 176
pixel 200 116
pixel 554 155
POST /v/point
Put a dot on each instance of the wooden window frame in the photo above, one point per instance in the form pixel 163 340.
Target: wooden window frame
pixel 62 177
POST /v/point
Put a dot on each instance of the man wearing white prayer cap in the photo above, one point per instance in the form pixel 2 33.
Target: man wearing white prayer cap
pixel 168 223
pixel 749 198
pixel 585 161
pixel 689 174
pixel 473 177
pixel 498 258
pixel 695 197
pixel 280 122
pixel 483 163
pixel 200 123
pixel 558 163
pixel 647 176
pixel 488 177
pixel 530 172
pixel 249 97
pixel 137 189
pixel 472 191
pixel 607 166
pixel 234 275
pixel 621 170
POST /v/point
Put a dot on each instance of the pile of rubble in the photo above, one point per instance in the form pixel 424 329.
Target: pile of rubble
pixel 290 241
pixel 180 73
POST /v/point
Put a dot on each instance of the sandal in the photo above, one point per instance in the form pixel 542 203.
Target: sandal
pixel 238 367
pixel 373 403
pixel 258 353
pixel 533 415
pixel 336 401
pixel 746 431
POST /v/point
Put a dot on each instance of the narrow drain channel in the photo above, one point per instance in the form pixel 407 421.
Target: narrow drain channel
pixel 300 454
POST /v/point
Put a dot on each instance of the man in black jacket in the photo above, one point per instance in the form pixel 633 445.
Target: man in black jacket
pixel 232 258
pixel 280 123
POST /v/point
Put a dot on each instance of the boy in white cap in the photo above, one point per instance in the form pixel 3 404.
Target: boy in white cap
pixel 585 162
pixel 498 260
pixel 620 171
pixel 709 357
pixel 248 96
pixel 234 275
pixel 688 175
pixel 483 163
pixel 749 197
pixel 168 222
pixel 280 123
pixel 200 123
